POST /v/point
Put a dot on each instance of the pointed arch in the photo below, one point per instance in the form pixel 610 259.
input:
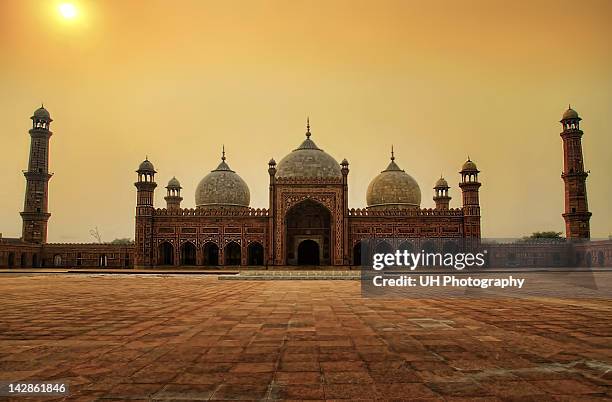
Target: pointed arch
pixel 255 254
pixel 357 253
pixel 383 247
pixel 188 253
pixel 232 254
pixel 211 254
pixel 166 254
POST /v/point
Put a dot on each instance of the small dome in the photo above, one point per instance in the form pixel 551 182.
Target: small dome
pixel 272 162
pixel 469 166
pixel 174 183
pixel 570 114
pixel 146 166
pixel 41 113
pixel 441 183
pixel 308 161
pixel 393 188
pixel 222 187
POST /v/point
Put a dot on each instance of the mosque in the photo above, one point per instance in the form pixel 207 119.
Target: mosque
pixel 308 220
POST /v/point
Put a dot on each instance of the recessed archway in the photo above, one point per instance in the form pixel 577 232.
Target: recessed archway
pixel 166 254
pixel 211 254
pixel 308 220
pixel 308 253
pixel 188 254
pixel 357 253
pixel 383 247
pixel 232 254
pixel 255 253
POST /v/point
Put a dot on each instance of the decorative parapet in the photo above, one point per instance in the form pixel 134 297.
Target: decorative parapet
pixel 251 212
pixel 107 246
pixel 308 180
pixel 405 212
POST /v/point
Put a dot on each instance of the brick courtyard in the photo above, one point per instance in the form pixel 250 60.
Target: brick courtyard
pixel 197 338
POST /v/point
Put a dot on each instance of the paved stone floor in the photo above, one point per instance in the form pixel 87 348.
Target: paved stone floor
pixel 197 338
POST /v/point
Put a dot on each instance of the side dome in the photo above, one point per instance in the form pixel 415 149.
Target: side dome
pixel 222 188
pixel 308 161
pixel 393 188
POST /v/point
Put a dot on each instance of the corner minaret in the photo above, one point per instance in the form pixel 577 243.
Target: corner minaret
pixel 471 203
pixel 143 237
pixel 577 213
pixel 35 213
pixel 441 197
pixel 173 198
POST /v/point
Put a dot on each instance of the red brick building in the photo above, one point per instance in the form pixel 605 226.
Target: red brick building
pixel 308 220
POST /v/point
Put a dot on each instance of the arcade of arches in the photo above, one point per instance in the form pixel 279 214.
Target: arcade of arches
pixel 210 254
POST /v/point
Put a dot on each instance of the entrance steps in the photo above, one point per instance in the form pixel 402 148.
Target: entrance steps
pixel 292 274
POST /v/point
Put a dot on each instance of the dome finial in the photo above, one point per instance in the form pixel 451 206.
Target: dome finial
pixel 308 127
pixel 223 152
pixel 392 153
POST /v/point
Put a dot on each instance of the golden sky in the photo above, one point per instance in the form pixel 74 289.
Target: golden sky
pixel 175 80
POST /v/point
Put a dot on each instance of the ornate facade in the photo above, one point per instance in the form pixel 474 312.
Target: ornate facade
pixel 308 220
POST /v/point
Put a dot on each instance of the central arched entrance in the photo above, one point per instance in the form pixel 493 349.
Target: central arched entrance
pixel 308 231
pixel 308 253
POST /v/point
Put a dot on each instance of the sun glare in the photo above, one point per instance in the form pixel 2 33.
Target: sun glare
pixel 68 10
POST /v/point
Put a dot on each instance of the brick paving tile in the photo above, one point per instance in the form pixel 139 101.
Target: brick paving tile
pixel 297 392
pixel 168 338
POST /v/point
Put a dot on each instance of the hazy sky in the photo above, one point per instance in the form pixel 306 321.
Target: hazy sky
pixel 175 80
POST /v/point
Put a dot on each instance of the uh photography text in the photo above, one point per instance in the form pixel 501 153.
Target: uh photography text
pixel 402 268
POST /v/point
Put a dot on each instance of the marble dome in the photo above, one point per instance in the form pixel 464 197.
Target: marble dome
pixel 393 188
pixel 308 161
pixel 222 188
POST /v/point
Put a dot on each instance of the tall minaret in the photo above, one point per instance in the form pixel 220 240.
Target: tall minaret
pixel 471 203
pixel 35 213
pixel 143 237
pixel 577 213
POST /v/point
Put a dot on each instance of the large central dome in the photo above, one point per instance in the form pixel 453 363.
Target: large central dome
pixel 308 161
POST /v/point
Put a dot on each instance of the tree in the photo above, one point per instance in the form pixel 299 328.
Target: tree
pixel 546 235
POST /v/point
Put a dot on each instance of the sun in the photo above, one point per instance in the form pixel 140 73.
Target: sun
pixel 67 10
